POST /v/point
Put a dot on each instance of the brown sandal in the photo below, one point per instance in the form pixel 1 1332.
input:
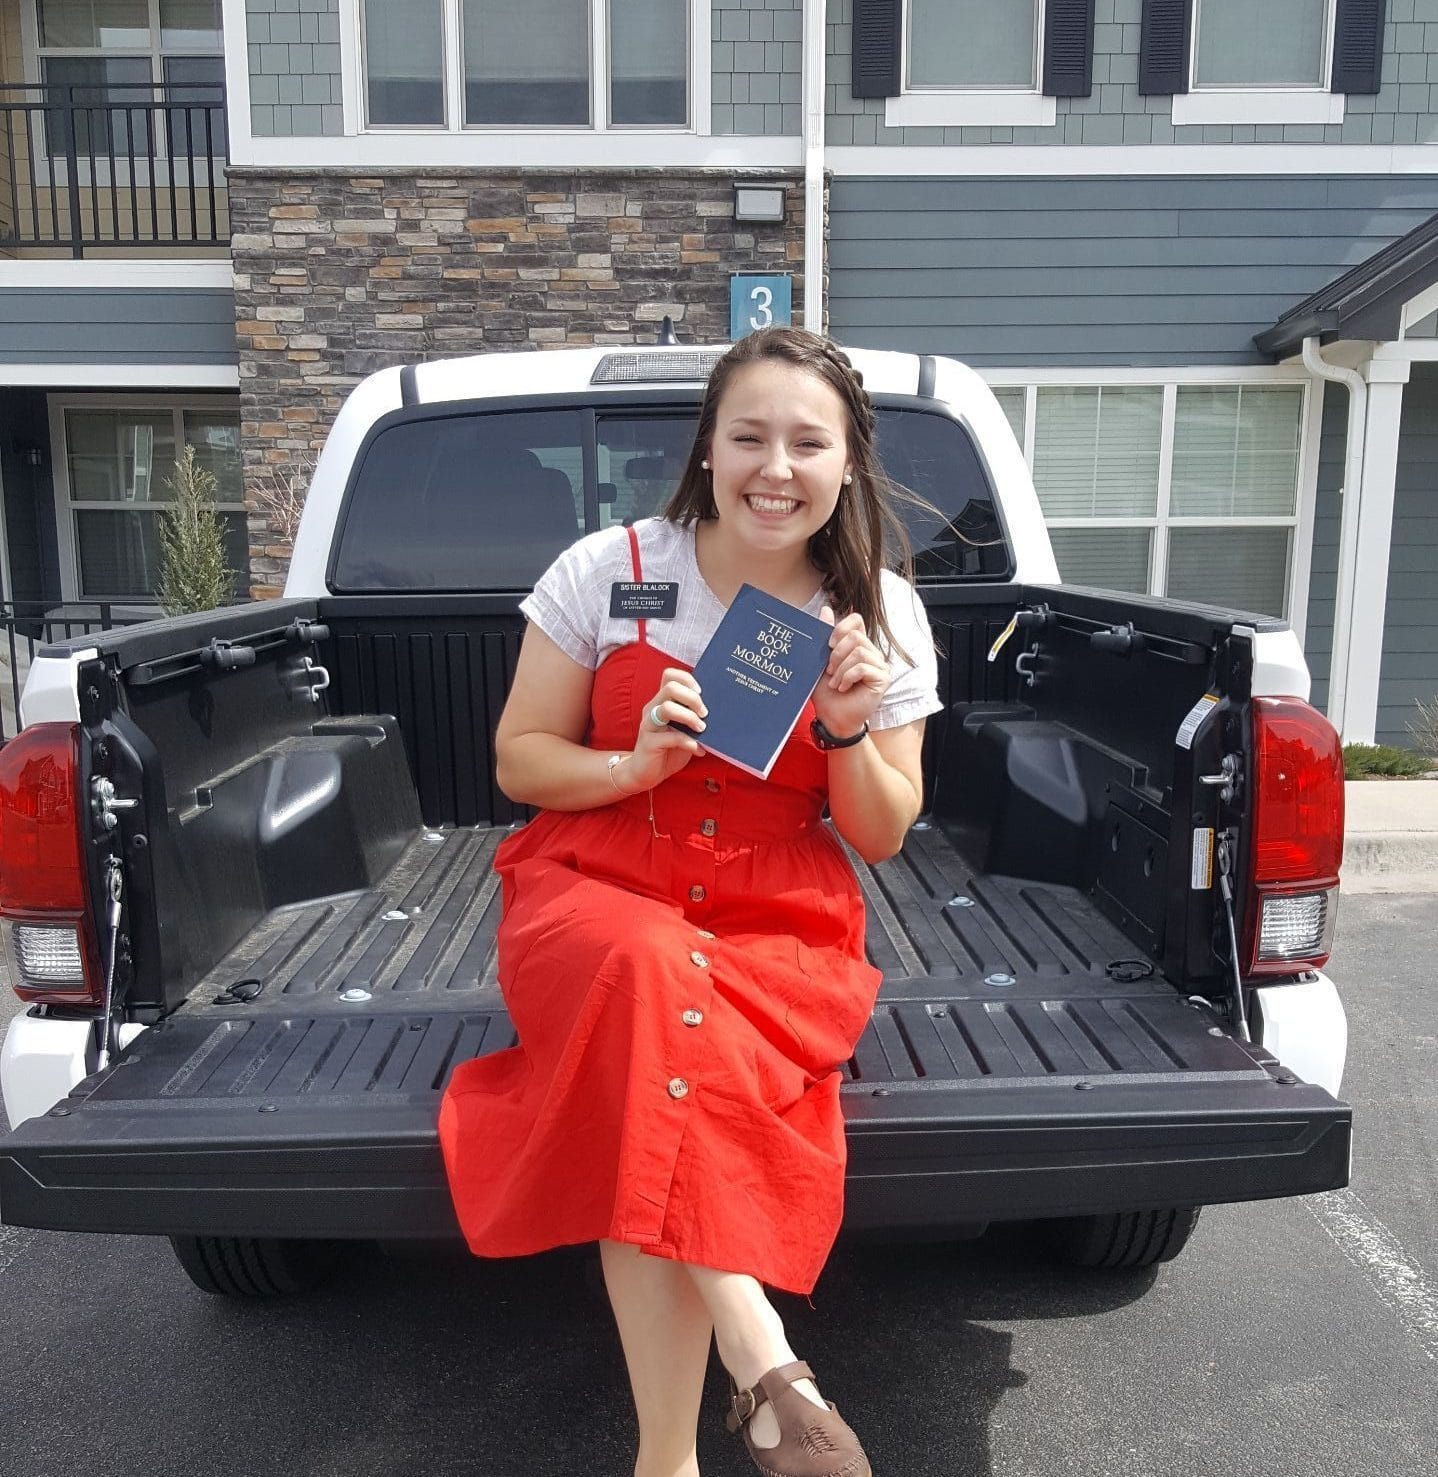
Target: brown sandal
pixel 812 1442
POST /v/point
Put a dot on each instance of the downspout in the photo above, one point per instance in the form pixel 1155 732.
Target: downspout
pixel 1345 591
pixel 814 45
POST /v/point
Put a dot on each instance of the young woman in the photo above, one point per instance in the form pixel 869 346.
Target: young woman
pixel 682 950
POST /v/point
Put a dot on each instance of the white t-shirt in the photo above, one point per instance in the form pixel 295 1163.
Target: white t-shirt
pixel 570 604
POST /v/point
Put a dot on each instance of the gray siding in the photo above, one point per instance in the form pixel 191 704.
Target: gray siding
pixel 1410 632
pixel 1404 112
pixel 1409 668
pixel 757 69
pixel 117 326
pixel 295 80
pixel 1106 271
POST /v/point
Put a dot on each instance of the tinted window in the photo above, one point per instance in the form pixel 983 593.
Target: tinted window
pixel 486 501
pixel 466 502
pixel 935 458
pixel 641 458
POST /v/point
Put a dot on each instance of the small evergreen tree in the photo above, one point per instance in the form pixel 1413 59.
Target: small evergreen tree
pixel 193 572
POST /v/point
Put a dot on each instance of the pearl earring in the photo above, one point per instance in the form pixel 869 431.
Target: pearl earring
pixel 705 465
pixel 848 478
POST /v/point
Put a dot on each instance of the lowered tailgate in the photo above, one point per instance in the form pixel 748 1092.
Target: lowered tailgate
pixel 1006 1072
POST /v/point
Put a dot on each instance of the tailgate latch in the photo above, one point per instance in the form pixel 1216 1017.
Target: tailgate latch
pixel 105 804
pixel 1226 781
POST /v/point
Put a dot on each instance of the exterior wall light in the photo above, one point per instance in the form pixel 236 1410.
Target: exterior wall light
pixel 758 202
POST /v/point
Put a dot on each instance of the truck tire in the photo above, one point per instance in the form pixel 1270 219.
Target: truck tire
pixel 1135 1238
pixel 253 1267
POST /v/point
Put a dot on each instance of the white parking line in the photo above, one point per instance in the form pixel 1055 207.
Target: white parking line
pixel 1378 1254
pixel 12 1242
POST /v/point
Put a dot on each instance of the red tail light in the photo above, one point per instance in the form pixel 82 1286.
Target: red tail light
pixel 43 897
pixel 1297 837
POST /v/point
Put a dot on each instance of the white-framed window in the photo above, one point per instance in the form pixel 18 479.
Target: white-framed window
pixel 114 457
pixel 1261 64
pixel 115 57
pixel 973 45
pixel 1199 488
pixel 544 64
pixel 972 62
pixel 1281 43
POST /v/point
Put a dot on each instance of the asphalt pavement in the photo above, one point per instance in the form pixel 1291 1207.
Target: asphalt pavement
pixel 1292 1339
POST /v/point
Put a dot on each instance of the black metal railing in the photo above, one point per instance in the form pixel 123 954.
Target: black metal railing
pixel 26 626
pixel 123 164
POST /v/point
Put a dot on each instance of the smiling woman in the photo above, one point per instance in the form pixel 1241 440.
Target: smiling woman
pixel 682 947
pixel 778 459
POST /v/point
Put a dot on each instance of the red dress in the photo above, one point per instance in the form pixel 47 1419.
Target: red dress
pixel 684 992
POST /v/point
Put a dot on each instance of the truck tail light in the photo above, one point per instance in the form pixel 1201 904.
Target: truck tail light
pixel 44 902
pixel 1297 837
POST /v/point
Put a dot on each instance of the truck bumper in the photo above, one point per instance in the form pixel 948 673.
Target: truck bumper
pixel 139 1149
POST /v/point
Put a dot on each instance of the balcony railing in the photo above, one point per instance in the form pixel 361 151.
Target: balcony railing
pixel 126 164
pixel 28 625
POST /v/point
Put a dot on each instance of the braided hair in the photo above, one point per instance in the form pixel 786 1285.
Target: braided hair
pixel 850 549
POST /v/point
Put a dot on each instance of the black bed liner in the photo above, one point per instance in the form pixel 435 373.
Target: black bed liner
pixel 1020 1062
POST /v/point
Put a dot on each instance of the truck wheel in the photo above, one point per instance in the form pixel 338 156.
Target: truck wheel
pixel 1135 1238
pixel 252 1267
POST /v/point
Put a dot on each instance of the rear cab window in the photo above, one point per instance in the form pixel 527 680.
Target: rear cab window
pixel 467 499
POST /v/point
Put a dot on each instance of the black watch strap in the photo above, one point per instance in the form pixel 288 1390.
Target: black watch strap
pixel 826 740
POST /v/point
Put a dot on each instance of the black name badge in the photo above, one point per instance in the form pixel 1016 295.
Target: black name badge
pixel 654 600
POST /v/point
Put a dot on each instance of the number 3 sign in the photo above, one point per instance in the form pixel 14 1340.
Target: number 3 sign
pixel 758 302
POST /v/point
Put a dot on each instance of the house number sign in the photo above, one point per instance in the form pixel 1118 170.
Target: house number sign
pixel 758 302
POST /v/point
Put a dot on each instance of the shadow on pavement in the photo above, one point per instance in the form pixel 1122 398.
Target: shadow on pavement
pixel 433 1363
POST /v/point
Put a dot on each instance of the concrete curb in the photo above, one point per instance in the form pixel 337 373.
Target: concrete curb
pixel 1392 836
pixel 1369 884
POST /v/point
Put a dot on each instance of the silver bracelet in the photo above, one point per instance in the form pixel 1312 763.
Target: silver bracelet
pixel 613 763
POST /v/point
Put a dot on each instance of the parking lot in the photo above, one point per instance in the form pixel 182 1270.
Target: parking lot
pixel 1291 1338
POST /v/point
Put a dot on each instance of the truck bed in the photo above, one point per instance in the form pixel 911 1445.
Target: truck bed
pixel 985 979
pixel 1015 1030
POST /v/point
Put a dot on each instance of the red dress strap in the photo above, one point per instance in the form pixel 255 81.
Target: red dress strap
pixel 638 578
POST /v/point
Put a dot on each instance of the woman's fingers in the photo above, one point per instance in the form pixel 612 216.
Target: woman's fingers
pixel 859 668
pixel 677 701
pixel 856 659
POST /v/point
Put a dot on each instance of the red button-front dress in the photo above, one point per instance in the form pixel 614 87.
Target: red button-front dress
pixel 684 989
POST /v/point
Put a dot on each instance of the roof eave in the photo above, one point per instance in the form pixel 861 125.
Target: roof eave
pixel 1286 336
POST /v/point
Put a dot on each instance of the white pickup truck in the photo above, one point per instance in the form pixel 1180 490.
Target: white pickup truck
pixel 246 885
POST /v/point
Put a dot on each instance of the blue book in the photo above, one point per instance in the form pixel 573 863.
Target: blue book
pixel 756 674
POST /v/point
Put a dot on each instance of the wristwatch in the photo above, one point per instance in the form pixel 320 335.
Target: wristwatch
pixel 826 740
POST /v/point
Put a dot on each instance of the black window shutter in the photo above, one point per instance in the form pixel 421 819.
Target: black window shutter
pixel 1163 46
pixel 1068 48
pixel 1358 46
pixel 878 39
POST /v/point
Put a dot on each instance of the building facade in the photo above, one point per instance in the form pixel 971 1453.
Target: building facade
pixel 1124 213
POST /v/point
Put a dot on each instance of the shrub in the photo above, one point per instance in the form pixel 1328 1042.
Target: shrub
pixel 1363 761
pixel 1424 728
pixel 193 572
pixel 279 494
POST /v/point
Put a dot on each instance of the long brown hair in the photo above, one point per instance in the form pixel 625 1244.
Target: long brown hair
pixel 849 551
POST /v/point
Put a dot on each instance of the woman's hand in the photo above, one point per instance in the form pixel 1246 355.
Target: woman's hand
pixel 659 750
pixel 854 682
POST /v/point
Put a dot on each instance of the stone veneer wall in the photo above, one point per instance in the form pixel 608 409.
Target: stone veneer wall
pixel 337 275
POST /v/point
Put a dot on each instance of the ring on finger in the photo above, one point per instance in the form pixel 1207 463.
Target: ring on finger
pixel 654 717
